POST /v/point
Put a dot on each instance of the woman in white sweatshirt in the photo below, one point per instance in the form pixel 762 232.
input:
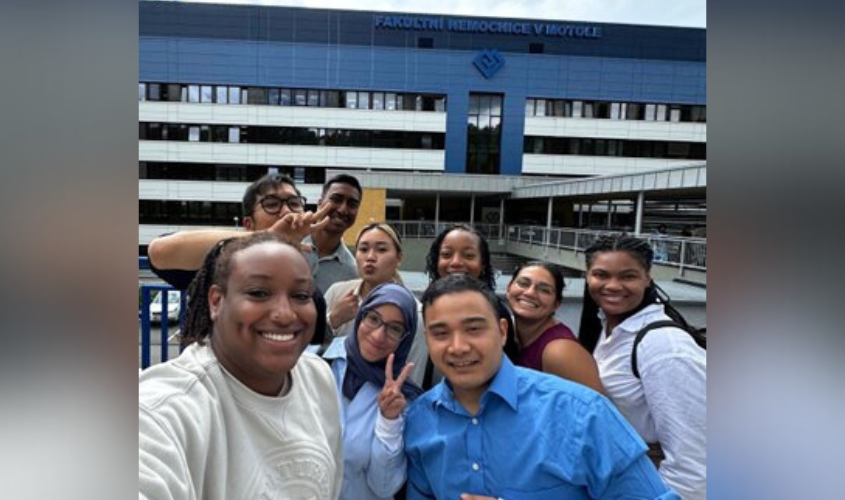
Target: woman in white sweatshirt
pixel 243 412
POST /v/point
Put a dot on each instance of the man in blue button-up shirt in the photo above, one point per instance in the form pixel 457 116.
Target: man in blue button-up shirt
pixel 498 431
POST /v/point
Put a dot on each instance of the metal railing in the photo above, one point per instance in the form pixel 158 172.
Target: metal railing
pixel 145 319
pixel 411 229
pixel 681 252
pixel 685 253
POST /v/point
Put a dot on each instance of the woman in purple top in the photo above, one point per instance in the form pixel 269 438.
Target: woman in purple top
pixel 547 345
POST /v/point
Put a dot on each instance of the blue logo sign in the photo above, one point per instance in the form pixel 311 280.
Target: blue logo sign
pixel 489 62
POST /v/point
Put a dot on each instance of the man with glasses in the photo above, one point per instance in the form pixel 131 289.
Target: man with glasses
pixel 176 257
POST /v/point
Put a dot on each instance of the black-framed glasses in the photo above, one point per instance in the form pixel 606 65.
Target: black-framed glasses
pixel 272 204
pixel 394 331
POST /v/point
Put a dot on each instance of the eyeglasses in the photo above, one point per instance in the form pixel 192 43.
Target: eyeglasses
pixel 272 204
pixel 394 331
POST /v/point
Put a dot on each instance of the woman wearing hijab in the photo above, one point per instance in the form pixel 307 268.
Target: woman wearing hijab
pixel 371 376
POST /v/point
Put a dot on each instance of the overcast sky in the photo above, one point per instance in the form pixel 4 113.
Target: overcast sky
pixel 690 13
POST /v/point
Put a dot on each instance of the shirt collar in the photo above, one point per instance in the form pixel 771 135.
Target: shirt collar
pixel 636 322
pixel 503 386
pixel 335 255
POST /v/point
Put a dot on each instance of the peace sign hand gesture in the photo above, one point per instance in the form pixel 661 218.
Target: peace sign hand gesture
pixel 294 227
pixel 391 401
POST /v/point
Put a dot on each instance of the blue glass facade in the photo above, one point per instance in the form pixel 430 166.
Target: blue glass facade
pixel 332 49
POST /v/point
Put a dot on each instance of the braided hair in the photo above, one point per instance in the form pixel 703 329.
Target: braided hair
pixel 488 275
pixel 215 270
pixel 639 249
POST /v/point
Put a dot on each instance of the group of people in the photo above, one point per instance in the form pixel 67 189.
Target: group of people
pixel 460 394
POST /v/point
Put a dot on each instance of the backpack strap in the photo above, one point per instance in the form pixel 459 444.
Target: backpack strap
pixel 649 327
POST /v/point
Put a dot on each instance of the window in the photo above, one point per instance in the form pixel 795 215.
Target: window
pixel 577 109
pixel 234 95
pixel 142 92
pixel 222 94
pixel 536 48
pixel 193 93
pixel 390 101
pixel 588 110
pixel 300 97
pixel 650 110
pixel 614 111
pixel 351 99
pixel 540 110
pixel 661 112
pixel 284 97
pixel 206 94
pixel 559 108
pixel 332 99
pixel 675 114
pixel 234 134
pixel 363 100
pixel 174 92
pixel 313 97
pixel 153 92
pixel 425 42
pixel 529 107
pixel 378 100
pixel 273 97
pixel 257 95
pixel 194 134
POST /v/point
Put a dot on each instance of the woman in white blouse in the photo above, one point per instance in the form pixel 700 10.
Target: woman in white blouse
pixel 667 403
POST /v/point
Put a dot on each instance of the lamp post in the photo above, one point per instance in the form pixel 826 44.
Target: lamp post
pixel 236 219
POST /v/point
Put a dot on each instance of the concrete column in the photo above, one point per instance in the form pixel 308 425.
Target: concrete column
pixel 638 225
pixel 609 213
pixel 436 213
pixel 472 210
pixel 549 220
pixel 502 218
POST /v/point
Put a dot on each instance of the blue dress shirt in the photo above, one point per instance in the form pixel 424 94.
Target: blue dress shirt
pixel 536 436
pixel 374 464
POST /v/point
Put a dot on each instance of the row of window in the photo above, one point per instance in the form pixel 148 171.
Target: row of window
pixel 225 172
pixel 616 110
pixel 298 136
pixel 233 94
pixel 188 212
pixel 615 147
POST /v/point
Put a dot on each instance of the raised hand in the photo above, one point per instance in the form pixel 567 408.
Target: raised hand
pixel 344 310
pixel 391 401
pixel 294 227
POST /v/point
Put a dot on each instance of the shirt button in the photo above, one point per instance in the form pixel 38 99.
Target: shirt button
pixel 475 421
pixel 475 467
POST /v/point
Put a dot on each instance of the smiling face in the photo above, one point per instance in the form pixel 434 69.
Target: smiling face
pixel 265 317
pixel 373 341
pixel 465 342
pixel 345 200
pixel 532 294
pixel 460 252
pixel 260 219
pixel 377 257
pixel 617 282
